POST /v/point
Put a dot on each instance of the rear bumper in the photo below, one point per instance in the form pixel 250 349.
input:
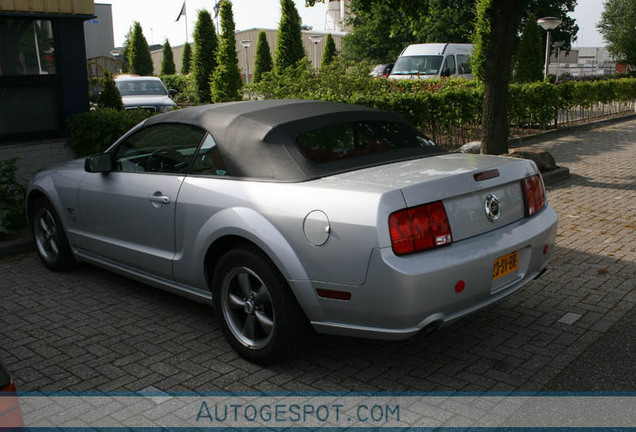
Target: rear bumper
pixel 403 295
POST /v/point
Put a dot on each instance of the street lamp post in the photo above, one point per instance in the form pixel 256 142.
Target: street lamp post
pixel 316 40
pixel 548 24
pixel 246 44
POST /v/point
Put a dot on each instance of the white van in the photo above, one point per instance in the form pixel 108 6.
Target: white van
pixel 433 60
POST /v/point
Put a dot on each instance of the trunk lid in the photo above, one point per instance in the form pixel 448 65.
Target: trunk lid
pixel 450 178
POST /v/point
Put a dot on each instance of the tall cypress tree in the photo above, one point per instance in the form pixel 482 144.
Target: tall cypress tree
pixel 167 62
pixel 186 59
pixel 263 59
pixel 530 55
pixel 226 78
pixel 330 51
pixel 124 52
pixel 138 52
pixel 204 62
pixel 289 45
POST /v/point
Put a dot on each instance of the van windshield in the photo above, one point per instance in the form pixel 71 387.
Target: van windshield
pixel 417 65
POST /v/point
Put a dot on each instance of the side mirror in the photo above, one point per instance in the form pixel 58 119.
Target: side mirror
pixel 99 163
pixel 172 92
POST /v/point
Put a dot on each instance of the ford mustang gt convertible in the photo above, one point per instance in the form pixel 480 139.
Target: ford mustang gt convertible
pixel 291 214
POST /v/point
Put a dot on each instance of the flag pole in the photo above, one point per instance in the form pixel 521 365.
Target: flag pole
pixel 185 12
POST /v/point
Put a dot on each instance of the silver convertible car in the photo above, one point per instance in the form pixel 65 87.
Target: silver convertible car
pixel 292 214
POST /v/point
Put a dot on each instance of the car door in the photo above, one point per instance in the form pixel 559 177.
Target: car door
pixel 127 215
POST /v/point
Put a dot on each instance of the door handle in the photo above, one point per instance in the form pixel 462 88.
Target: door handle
pixel 161 199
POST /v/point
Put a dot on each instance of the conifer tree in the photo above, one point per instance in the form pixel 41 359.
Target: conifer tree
pixel 226 78
pixel 186 59
pixel 139 57
pixel 263 59
pixel 204 61
pixel 289 45
pixel 110 96
pixel 167 63
pixel 330 51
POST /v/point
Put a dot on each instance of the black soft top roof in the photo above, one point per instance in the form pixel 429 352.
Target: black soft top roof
pixel 258 138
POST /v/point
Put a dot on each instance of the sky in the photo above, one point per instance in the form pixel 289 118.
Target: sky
pixel 157 18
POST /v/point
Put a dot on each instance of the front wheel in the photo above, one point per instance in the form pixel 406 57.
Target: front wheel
pixel 257 311
pixel 50 239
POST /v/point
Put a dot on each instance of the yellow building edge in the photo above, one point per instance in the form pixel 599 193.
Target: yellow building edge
pixel 67 7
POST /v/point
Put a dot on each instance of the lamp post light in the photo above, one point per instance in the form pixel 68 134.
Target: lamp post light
pixel 548 24
pixel 246 44
pixel 316 40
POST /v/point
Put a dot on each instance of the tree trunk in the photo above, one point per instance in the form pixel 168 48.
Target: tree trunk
pixel 506 15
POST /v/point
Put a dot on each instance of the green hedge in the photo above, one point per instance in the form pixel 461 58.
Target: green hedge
pixel 184 84
pixel 439 106
pixel 94 131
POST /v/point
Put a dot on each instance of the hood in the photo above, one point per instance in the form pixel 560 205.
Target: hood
pixel 147 100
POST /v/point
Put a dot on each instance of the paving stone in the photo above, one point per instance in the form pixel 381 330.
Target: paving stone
pixel 91 330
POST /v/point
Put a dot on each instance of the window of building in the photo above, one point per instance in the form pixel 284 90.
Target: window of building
pixel 27 47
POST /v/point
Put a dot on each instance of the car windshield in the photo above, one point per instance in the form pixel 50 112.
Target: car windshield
pixel 348 140
pixel 417 65
pixel 141 87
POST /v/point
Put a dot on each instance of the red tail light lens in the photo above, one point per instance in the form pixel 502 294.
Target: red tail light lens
pixel 533 194
pixel 419 228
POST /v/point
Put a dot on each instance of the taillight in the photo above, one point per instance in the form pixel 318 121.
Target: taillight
pixel 533 194
pixel 419 228
pixel 10 388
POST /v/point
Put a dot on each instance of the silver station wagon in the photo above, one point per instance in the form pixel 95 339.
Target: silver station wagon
pixel 290 215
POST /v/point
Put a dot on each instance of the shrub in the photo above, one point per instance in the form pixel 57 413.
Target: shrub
pixel 184 84
pixel 94 131
pixel 12 192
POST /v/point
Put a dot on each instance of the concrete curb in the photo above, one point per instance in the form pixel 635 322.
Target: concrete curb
pixel 558 133
pixel 17 246
pixel 555 176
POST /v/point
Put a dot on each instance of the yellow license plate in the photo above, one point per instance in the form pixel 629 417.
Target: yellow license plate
pixel 505 265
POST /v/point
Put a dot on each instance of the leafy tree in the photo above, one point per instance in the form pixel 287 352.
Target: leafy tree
pixel 496 25
pixel 382 28
pixel 289 46
pixel 226 79
pixel 566 31
pixel 167 62
pixel 186 59
pixel 138 52
pixel 530 55
pixel 618 27
pixel 263 59
pixel 204 62
pixel 330 51
pixel 109 96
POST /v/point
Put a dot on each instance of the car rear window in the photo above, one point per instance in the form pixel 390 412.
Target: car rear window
pixel 350 140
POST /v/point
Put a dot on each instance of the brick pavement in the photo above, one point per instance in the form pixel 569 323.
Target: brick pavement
pixel 93 330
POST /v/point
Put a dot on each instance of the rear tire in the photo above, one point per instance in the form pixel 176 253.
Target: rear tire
pixel 49 237
pixel 258 313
